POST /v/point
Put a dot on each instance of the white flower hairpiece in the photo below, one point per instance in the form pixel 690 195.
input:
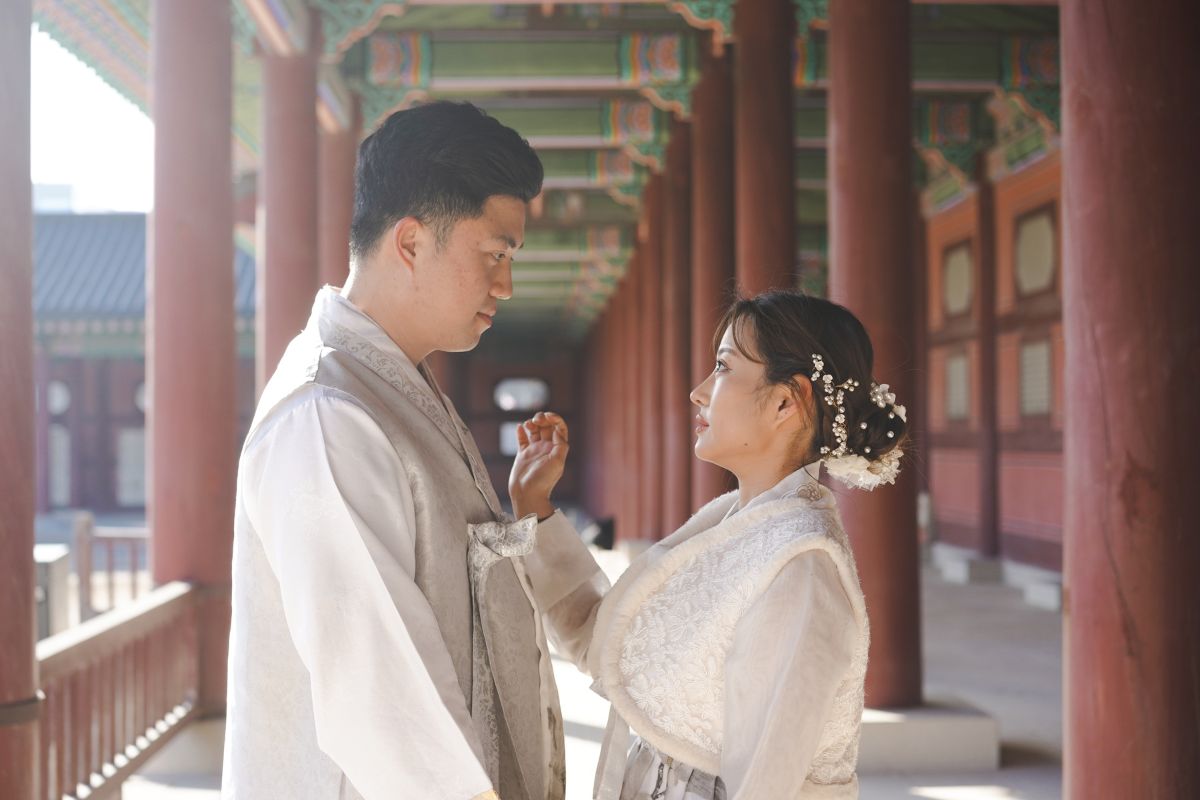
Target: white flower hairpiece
pixel 858 472
pixel 881 397
pixel 854 469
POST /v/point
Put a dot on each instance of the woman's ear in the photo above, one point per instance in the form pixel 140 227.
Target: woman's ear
pixel 792 400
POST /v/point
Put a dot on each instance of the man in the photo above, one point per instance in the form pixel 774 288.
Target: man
pixel 385 641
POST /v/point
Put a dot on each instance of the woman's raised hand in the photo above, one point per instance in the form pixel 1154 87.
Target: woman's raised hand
pixel 542 444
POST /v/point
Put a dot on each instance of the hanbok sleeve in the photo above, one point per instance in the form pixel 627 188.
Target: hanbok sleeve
pixel 326 493
pixel 791 652
pixel 568 586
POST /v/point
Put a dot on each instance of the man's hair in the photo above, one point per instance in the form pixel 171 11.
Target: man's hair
pixel 438 163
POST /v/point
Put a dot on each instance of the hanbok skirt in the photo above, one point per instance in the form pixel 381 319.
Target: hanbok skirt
pixel 649 775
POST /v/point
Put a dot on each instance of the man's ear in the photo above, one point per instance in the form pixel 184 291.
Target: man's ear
pixel 405 239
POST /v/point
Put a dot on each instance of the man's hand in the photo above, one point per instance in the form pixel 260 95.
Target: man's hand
pixel 542 446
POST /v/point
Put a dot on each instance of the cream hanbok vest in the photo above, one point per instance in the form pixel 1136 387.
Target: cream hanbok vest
pixel 662 636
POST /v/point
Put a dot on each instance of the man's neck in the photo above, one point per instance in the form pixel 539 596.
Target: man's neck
pixel 364 295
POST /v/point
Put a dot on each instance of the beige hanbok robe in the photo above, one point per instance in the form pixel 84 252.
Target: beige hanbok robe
pixel 384 642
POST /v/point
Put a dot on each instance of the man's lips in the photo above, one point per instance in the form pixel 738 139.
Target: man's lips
pixel 488 318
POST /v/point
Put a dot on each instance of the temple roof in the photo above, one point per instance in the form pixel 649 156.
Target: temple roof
pixel 93 267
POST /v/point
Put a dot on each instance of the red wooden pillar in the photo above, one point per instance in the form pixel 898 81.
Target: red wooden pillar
pixel 610 435
pixel 287 220
pixel 631 379
pixel 611 421
pixel 989 437
pixel 614 421
pixel 600 399
pixel 587 369
pixel 712 237
pixel 650 316
pixel 614 442
pixel 18 664
pixel 337 154
pixel 190 347
pixel 676 331
pixel 918 414
pixel 599 413
pixel 870 133
pixel 1131 245
pixel 765 184
pixel 592 366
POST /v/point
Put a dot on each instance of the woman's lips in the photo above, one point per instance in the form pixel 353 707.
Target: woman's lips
pixel 701 425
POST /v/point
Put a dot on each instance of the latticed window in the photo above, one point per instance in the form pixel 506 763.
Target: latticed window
pixel 958 386
pixel 1036 378
pixel 1036 252
pixel 957 279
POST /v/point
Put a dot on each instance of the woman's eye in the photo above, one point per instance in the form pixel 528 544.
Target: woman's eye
pixel 720 367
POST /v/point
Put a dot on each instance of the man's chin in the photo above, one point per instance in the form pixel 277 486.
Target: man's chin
pixel 466 344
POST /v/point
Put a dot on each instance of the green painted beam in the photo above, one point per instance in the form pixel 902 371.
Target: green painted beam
pixel 811 206
pixel 344 22
pixel 609 239
pixel 809 165
pixel 603 59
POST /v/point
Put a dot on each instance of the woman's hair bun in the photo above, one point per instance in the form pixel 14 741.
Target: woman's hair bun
pixel 872 431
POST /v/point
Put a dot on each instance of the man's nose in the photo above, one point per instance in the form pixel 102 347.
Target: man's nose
pixel 502 287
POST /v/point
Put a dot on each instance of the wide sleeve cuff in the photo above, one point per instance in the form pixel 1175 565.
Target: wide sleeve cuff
pixel 560 562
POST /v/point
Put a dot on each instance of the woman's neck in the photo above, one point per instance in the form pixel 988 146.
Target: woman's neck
pixel 772 464
pixel 753 483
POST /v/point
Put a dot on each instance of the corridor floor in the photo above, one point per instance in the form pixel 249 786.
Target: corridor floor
pixel 982 645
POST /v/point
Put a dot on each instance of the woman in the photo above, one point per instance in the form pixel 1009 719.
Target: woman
pixel 735 648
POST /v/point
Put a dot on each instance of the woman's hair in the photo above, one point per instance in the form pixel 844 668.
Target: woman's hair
pixel 782 330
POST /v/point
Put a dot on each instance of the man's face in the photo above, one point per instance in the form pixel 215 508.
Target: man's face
pixel 461 282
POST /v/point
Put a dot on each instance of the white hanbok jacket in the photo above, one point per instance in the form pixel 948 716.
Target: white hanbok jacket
pixel 737 646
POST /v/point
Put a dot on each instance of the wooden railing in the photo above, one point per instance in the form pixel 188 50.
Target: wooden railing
pixel 113 543
pixel 117 687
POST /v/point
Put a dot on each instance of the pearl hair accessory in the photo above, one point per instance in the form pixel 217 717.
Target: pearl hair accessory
pixel 852 469
pixel 881 397
pixel 834 396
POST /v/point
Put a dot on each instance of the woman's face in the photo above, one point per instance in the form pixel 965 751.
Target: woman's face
pixel 737 420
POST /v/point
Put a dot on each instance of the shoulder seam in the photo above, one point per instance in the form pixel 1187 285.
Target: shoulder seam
pixel 309 393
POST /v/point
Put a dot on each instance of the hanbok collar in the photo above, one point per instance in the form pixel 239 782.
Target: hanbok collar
pixel 798 483
pixel 344 326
